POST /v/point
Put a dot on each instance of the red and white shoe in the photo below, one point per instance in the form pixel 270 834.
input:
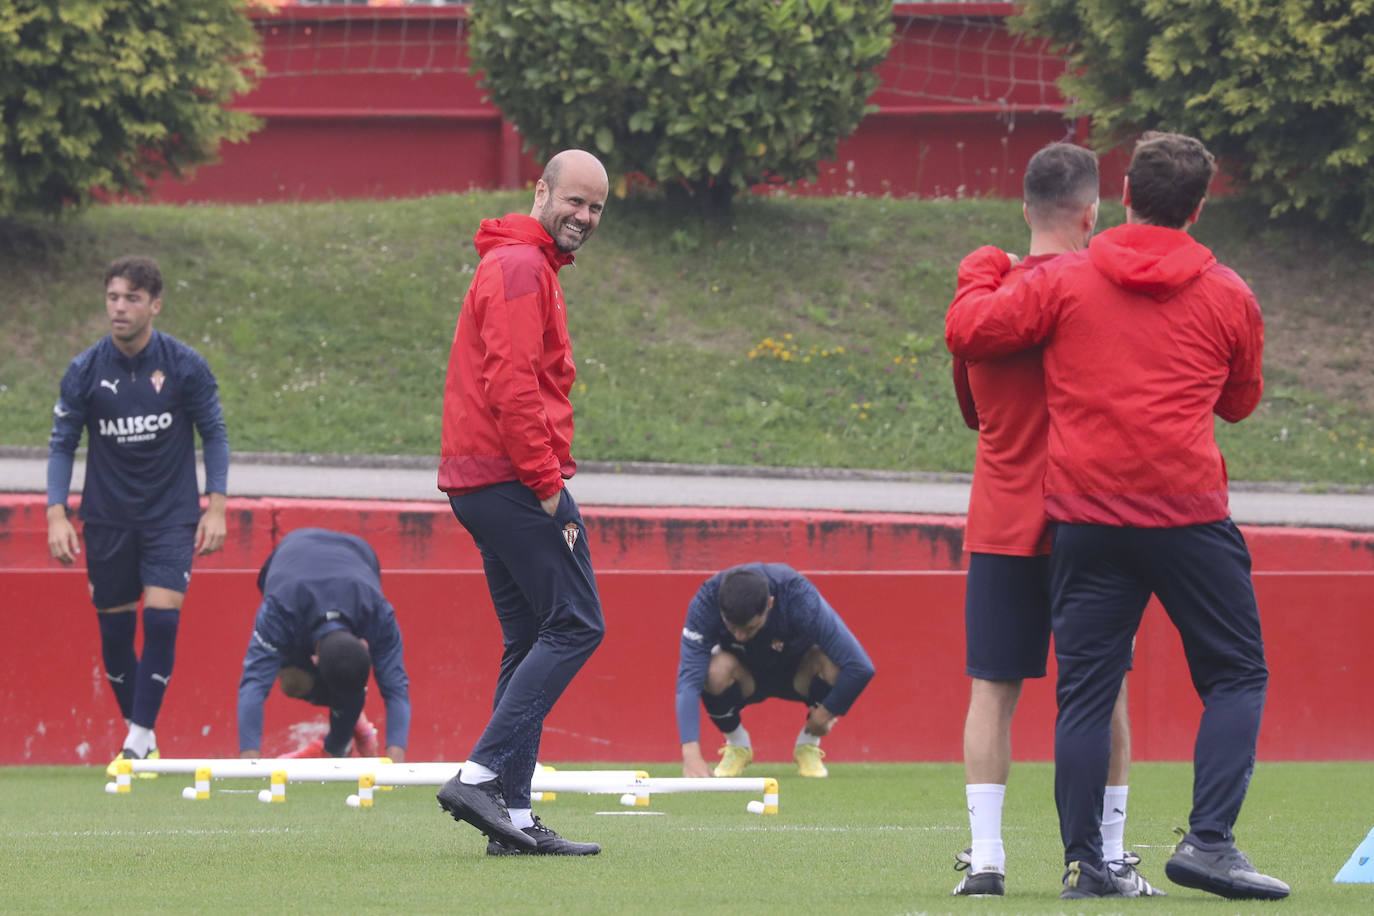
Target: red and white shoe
pixel 313 749
pixel 364 738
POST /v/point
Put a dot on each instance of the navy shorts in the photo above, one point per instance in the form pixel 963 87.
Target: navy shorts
pixel 1007 617
pixel 122 562
pixel 773 677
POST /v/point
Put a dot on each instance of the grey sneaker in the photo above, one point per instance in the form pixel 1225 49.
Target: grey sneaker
pixel 1083 881
pixel 484 807
pixel 988 881
pixel 1128 881
pixel 1224 871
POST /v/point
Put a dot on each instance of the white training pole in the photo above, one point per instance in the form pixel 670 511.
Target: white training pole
pixel 305 769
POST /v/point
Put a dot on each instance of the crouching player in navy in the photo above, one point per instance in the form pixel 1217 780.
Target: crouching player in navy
pixel 322 625
pixel 757 631
pixel 140 393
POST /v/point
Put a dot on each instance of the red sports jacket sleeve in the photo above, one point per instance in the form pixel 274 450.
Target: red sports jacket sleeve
pixel 963 392
pixel 986 321
pixel 513 333
pixel 1240 395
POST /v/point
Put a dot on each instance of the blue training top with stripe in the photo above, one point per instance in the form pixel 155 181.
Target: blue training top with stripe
pixel 140 411
pixel 800 619
pixel 316 581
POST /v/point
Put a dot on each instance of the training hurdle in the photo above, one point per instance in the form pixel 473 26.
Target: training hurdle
pixel 635 787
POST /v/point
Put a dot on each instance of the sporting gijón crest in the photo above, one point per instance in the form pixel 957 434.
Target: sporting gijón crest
pixel 570 532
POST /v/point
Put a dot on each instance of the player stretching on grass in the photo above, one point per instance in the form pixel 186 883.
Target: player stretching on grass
pixel 507 447
pixel 1007 603
pixel 322 625
pixel 1145 336
pixel 757 631
pixel 141 394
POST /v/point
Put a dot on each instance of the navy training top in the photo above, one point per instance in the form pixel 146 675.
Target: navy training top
pixel 316 581
pixel 140 411
pixel 800 618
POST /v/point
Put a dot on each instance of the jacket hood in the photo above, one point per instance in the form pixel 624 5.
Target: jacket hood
pixel 1149 259
pixel 518 229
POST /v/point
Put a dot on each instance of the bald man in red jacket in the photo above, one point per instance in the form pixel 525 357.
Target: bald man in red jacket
pixel 506 452
pixel 1145 337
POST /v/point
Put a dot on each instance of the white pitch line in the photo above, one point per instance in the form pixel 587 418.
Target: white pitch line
pixel 219 831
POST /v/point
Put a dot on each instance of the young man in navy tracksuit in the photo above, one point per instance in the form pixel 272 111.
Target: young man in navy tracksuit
pixel 322 625
pixel 756 631
pixel 141 395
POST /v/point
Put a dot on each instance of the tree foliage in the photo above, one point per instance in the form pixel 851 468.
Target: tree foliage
pixel 710 95
pixel 1282 91
pixel 104 95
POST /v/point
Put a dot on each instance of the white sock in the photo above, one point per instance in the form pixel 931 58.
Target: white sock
pixel 139 740
pixel 522 818
pixel 474 774
pixel 804 738
pixel 985 821
pixel 738 738
pixel 1114 823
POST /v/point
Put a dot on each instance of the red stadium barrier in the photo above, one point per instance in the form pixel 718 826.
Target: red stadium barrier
pixel 894 578
pixel 365 102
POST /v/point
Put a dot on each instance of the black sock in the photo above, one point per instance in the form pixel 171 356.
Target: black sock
pixel 724 707
pixel 155 667
pixel 121 661
pixel 819 690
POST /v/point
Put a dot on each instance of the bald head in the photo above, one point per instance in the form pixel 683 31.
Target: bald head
pixel 569 197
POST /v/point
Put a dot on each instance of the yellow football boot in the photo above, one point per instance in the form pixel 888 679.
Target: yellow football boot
pixel 808 757
pixel 127 754
pixel 733 760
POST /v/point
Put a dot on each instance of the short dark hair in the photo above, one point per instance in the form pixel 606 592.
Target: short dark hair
pixel 743 595
pixel 141 272
pixel 344 662
pixel 1059 178
pixel 1168 177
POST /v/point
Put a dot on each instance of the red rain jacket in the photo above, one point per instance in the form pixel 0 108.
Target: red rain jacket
pixel 506 410
pixel 1004 399
pixel 1145 337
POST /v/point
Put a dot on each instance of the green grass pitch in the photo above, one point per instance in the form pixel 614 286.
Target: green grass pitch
pixel 873 838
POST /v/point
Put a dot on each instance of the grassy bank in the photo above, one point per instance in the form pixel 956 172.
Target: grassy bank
pixel 809 333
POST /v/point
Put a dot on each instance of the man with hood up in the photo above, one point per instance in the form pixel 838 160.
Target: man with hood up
pixel 506 451
pixel 1145 336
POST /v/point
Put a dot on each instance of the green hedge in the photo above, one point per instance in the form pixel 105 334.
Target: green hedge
pixel 104 95
pixel 708 95
pixel 1281 90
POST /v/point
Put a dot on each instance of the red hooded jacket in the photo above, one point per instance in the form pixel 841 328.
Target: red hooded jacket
pixel 1145 337
pixel 506 410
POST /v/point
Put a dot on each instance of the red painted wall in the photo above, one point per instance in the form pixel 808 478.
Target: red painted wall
pixel 377 102
pixel 895 579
